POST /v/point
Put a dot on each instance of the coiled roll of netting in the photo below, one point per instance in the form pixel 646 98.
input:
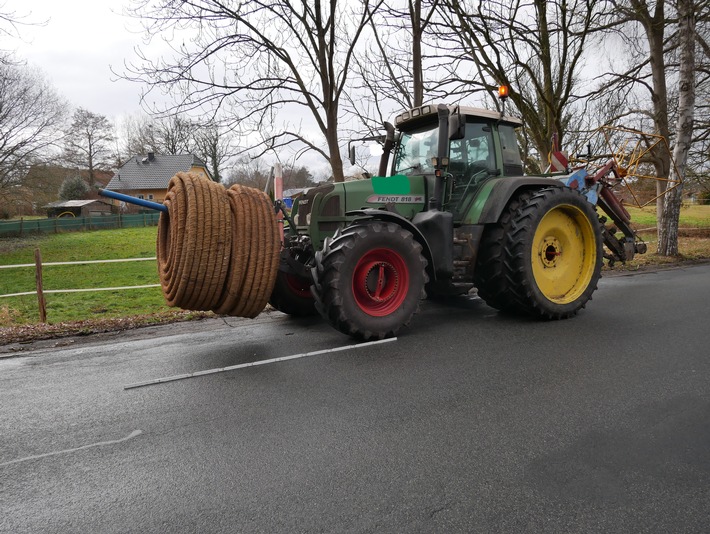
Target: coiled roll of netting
pixel 194 242
pixel 217 249
pixel 267 261
pixel 255 253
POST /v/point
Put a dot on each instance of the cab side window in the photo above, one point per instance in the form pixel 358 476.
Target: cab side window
pixel 474 153
pixel 512 164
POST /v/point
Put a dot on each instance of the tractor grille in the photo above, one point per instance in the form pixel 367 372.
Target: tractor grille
pixel 305 203
pixel 332 207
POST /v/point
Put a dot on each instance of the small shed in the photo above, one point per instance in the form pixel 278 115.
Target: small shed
pixel 78 208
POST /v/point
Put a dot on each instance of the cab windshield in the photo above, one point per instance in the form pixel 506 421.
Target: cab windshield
pixel 470 155
pixel 416 150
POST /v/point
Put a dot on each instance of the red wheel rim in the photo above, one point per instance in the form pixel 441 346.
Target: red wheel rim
pixel 298 285
pixel 380 282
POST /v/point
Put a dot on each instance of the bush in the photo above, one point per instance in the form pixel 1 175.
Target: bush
pixel 73 188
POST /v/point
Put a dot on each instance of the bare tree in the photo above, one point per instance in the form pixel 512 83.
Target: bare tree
pixel 10 23
pixel 256 59
pixel 392 64
pixel 668 227
pixel 647 70
pixel 392 67
pixel 215 146
pixel 297 177
pixel 654 66
pixel 253 172
pixel 141 134
pixel 174 135
pixel 88 142
pixel 135 135
pixel 536 47
pixel 31 115
pixel 698 169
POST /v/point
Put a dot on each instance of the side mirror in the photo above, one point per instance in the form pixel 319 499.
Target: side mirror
pixel 457 126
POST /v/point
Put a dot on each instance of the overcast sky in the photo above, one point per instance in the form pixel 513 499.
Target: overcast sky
pixel 78 44
pixel 76 48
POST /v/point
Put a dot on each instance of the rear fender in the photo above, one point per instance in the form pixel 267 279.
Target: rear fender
pixel 502 190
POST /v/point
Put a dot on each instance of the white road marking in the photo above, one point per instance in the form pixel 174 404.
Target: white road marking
pixel 132 435
pixel 254 364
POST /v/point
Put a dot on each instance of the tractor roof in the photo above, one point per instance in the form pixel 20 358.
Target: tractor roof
pixel 427 112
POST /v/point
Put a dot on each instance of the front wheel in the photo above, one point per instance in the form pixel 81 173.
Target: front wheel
pixel 370 279
pixel 554 254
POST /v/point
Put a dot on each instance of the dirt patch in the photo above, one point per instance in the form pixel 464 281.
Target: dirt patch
pixel 36 332
pixel 621 269
pixel 682 232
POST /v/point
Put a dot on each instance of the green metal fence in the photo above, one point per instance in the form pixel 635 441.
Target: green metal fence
pixel 24 227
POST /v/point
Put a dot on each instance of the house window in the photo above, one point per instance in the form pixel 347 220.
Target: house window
pixel 150 197
pixel 141 197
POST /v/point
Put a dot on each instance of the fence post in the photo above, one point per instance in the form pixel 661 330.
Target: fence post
pixel 40 293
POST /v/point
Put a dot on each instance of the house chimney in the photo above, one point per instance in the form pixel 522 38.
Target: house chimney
pixel 151 156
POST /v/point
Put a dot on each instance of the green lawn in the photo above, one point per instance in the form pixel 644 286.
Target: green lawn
pixel 105 244
pixel 693 216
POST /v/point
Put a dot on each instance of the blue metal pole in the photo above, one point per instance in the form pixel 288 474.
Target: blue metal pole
pixel 133 200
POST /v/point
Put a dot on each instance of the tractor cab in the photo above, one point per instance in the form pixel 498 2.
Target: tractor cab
pixel 480 144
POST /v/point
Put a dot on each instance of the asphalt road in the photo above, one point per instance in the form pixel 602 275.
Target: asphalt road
pixel 469 422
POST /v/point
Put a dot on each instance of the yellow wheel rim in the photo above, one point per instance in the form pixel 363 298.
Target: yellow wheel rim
pixel 564 254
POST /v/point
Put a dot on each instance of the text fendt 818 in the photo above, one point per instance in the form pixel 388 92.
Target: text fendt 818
pixel 455 212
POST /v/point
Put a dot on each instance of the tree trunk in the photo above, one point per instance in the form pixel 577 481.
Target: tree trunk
pixel 92 176
pixel 547 98
pixel 336 161
pixel 668 226
pixel 415 13
pixel 654 26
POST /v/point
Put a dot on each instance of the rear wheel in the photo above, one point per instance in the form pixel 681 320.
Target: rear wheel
pixel 553 254
pixel 489 276
pixel 370 279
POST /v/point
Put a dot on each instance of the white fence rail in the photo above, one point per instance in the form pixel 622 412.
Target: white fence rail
pixel 45 291
pixel 40 291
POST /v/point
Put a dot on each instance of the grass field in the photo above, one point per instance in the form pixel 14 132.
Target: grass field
pixel 140 243
pixel 693 216
pixel 76 246
pixel 693 243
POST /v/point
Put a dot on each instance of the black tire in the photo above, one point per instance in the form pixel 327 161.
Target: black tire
pixel 489 276
pixel 369 279
pixel 553 249
pixel 292 295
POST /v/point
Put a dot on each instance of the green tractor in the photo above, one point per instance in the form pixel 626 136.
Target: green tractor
pixel 455 212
